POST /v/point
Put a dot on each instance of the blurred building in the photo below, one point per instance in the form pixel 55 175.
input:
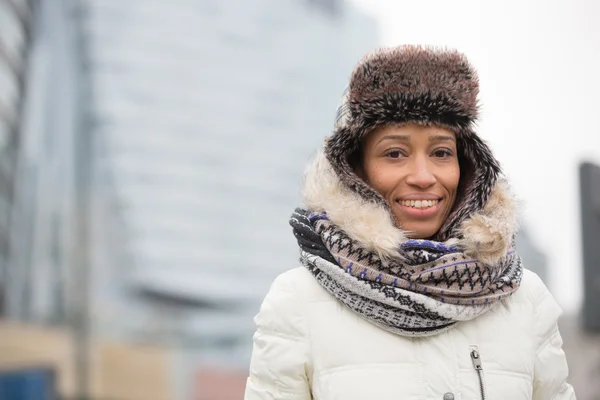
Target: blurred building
pixel 589 183
pixel 41 268
pixel 16 23
pixel 161 155
pixel 205 114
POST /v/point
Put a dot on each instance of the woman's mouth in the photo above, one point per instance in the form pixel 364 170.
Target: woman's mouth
pixel 419 208
pixel 419 204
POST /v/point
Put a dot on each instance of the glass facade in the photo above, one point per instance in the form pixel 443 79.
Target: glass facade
pixel 208 112
pixel 15 33
pixel 194 121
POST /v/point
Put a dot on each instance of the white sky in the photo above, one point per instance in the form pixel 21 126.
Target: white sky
pixel 540 94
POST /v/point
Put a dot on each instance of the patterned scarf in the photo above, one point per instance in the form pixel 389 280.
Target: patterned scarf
pixel 431 288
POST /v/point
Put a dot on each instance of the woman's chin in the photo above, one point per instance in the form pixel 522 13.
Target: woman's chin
pixel 419 230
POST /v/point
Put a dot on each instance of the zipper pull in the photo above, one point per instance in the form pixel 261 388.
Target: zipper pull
pixel 476 358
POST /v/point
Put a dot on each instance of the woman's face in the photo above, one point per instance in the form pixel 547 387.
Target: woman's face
pixel 415 168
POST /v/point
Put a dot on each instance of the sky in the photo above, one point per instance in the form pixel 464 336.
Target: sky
pixel 537 62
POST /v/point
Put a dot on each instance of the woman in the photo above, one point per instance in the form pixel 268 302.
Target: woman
pixel 410 286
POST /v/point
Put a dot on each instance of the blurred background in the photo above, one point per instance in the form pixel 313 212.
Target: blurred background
pixel 151 154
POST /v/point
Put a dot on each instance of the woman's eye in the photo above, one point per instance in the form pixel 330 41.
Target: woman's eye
pixel 394 154
pixel 442 153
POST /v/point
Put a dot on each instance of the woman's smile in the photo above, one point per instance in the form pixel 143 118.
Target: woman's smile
pixel 419 208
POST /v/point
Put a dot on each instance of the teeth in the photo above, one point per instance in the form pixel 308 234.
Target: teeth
pixel 419 203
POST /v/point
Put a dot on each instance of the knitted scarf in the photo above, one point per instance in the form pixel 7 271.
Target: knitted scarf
pixel 427 290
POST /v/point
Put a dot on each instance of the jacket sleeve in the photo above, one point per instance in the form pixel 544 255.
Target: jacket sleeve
pixel 278 367
pixel 551 370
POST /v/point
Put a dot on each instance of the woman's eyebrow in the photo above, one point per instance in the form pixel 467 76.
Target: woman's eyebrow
pixel 403 138
pixel 442 138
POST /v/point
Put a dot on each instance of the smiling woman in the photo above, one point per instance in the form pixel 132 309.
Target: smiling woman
pixel 410 285
pixel 415 169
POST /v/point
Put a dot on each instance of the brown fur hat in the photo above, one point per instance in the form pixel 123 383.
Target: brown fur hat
pixel 415 84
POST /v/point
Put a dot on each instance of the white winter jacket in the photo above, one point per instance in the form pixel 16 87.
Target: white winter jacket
pixel 310 346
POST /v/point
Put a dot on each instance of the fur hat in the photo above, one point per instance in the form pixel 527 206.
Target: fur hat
pixel 414 84
pixel 427 86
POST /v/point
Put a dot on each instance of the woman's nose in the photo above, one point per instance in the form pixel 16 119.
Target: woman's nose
pixel 421 174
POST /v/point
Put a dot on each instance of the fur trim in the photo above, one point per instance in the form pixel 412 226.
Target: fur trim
pixel 485 234
pixel 488 234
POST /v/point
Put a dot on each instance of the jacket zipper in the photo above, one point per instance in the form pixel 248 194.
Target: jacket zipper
pixel 476 358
